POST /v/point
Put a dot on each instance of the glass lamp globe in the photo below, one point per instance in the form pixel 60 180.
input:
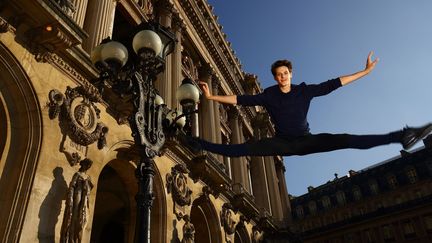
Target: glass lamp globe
pixel 96 54
pixel 147 39
pixel 182 121
pixel 114 51
pixel 171 116
pixel 158 100
pixel 187 92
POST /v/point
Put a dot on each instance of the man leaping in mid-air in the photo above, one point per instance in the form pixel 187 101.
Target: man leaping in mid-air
pixel 288 105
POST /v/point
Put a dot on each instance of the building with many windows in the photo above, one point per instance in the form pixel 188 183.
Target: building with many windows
pixel 387 202
pixel 68 158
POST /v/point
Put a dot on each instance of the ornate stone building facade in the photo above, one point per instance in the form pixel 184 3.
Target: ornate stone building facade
pixel 387 202
pixel 67 169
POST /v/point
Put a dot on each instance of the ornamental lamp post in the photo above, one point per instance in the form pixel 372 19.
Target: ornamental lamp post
pixel 134 75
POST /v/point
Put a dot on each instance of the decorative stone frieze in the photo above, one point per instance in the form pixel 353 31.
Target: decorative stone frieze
pixel 66 6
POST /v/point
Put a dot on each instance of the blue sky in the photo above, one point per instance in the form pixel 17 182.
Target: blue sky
pixel 327 39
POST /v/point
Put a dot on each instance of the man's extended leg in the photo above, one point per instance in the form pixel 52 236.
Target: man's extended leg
pixel 264 147
pixel 309 144
pixel 302 145
pixel 325 142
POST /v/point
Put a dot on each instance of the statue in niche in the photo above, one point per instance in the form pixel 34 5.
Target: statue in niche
pixel 77 204
pixel 188 231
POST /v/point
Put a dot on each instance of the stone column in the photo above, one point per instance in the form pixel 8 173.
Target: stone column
pixel 238 164
pixel 273 187
pixel 80 12
pixel 215 91
pixel 259 183
pixel 258 170
pixel 179 28
pixel 286 206
pixel 217 121
pixel 164 10
pixel 99 22
pixel 207 108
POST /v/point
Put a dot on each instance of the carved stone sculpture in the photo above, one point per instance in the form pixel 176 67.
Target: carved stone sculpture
pixel 188 231
pixel 66 6
pixel 77 204
pixel 227 222
pixel 257 235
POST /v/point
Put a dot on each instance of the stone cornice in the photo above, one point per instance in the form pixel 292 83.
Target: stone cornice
pixel 211 35
pixel 214 43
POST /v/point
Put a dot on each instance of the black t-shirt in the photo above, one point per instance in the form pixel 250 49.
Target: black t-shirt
pixel 288 111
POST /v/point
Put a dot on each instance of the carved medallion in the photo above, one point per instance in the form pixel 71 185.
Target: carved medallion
pixel 78 117
pixel 177 186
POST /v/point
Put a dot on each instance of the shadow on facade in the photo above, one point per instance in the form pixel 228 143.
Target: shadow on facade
pixel 175 237
pixel 49 211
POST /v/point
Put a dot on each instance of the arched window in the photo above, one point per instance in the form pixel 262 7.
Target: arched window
pixel 411 173
pixel 312 207
pixel 392 181
pixel 326 202
pixel 357 194
pixel 299 212
pixel 373 186
pixel 340 196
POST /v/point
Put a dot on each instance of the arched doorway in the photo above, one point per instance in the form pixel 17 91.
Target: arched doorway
pixel 3 130
pixel 21 131
pixel 205 220
pixel 112 216
pixel 115 206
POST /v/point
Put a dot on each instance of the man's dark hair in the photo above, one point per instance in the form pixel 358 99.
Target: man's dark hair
pixel 281 63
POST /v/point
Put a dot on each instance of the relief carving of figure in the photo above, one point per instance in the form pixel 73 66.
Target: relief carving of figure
pixel 77 204
pixel 188 231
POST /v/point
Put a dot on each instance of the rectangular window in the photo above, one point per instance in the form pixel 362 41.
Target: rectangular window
pixel 368 236
pixel 408 230
pixel 412 175
pixel 428 223
pixel 388 234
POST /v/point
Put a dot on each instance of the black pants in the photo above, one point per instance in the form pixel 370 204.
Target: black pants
pixel 301 145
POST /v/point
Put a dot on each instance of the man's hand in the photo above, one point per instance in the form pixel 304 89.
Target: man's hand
pixel 205 89
pixel 370 65
pixel 226 99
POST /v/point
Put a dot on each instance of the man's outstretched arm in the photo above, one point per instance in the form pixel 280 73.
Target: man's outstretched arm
pixel 227 99
pixel 370 65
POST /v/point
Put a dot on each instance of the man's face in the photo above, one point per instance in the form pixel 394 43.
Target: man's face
pixel 283 76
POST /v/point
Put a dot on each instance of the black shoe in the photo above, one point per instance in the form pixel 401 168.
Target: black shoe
pixel 190 142
pixel 411 135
